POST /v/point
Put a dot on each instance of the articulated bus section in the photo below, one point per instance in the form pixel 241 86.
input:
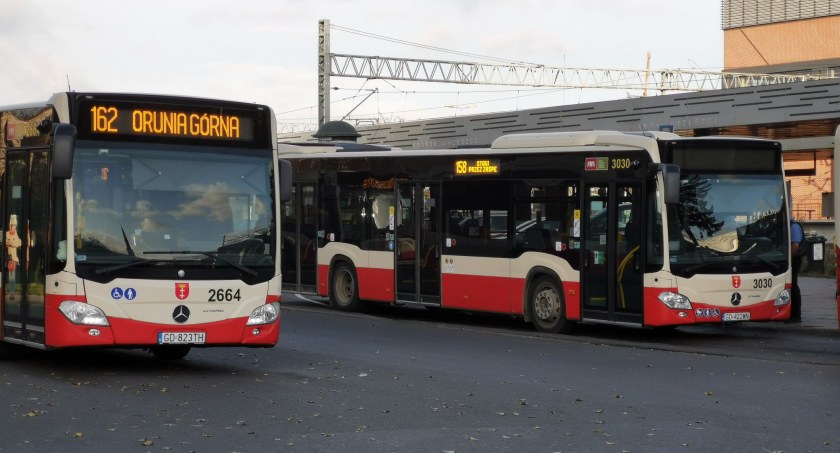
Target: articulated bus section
pixel 559 228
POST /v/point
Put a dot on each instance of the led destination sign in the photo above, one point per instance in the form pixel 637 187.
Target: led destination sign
pixel 109 119
pixel 105 119
pixel 477 167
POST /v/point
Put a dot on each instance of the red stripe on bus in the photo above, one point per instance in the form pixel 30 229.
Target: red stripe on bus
pixel 499 294
pixel 481 293
pixel 323 280
pixel 376 284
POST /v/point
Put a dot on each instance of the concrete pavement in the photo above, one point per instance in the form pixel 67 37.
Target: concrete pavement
pixel 819 304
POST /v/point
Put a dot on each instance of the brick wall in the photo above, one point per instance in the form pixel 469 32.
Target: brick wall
pixel 807 191
pixel 782 43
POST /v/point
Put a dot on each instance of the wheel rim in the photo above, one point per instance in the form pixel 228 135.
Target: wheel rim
pixel 344 287
pixel 547 304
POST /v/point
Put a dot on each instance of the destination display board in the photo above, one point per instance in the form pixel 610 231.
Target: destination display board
pixel 170 120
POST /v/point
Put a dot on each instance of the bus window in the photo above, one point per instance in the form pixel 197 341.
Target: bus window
pixel 477 221
pixel 545 218
pixel 353 205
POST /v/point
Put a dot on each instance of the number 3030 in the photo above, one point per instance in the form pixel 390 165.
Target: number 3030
pixel 620 164
pixel 762 283
pixel 224 295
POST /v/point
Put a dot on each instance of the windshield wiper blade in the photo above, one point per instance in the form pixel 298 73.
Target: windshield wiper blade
pixel 127 244
pixel 758 258
pixel 116 267
pixel 691 270
pixel 213 255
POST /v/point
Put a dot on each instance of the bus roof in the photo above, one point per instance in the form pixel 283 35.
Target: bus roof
pixel 544 142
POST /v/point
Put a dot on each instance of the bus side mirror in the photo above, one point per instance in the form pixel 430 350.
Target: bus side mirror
pixel 64 145
pixel 285 180
pixel 671 176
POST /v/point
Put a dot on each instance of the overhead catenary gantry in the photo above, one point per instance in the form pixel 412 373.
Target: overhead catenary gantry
pixel 521 74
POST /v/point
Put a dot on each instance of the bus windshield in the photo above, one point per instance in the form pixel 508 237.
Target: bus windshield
pixel 136 206
pixel 728 224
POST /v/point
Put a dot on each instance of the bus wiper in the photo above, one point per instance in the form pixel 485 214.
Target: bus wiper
pixel 128 248
pixel 213 255
pixel 710 258
pixel 116 267
pixel 691 270
pixel 776 267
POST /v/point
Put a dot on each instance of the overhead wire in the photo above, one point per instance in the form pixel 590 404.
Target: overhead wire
pixel 437 49
pixel 534 91
pixel 422 46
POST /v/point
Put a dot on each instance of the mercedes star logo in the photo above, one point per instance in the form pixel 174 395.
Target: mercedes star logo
pixel 736 299
pixel 181 314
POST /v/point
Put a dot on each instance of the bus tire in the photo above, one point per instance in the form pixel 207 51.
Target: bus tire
pixel 344 288
pixel 171 352
pixel 548 308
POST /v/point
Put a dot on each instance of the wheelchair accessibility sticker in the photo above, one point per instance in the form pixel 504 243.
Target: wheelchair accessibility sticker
pixel 127 294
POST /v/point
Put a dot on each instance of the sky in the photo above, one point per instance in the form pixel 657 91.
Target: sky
pixel 266 51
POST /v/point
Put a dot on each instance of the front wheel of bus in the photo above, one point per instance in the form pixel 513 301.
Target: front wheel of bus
pixel 344 290
pixel 547 310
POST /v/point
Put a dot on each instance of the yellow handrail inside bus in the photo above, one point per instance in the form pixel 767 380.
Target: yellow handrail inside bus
pixel 621 273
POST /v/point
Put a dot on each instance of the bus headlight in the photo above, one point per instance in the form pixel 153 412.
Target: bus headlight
pixel 264 314
pixel 83 313
pixel 782 299
pixel 675 300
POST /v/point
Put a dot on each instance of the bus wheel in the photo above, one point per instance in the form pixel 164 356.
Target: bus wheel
pixel 344 289
pixel 172 352
pixel 547 309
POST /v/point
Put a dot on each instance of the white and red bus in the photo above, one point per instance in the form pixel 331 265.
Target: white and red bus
pixel 139 221
pixel 836 213
pixel 641 229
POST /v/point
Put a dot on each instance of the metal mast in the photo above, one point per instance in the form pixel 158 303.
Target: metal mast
pixel 519 74
pixel 323 71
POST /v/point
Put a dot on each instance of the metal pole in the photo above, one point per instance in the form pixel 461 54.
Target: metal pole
pixel 323 71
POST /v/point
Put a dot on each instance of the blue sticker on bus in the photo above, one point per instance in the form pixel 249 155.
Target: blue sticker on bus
pixel 127 293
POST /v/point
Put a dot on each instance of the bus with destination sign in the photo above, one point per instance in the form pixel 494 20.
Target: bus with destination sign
pixel 648 229
pixel 139 221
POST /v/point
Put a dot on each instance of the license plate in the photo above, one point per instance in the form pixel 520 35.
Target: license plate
pixel 181 337
pixel 738 316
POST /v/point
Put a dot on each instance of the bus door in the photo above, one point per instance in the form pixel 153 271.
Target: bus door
pixel 300 239
pixel 24 223
pixel 417 242
pixel 612 271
